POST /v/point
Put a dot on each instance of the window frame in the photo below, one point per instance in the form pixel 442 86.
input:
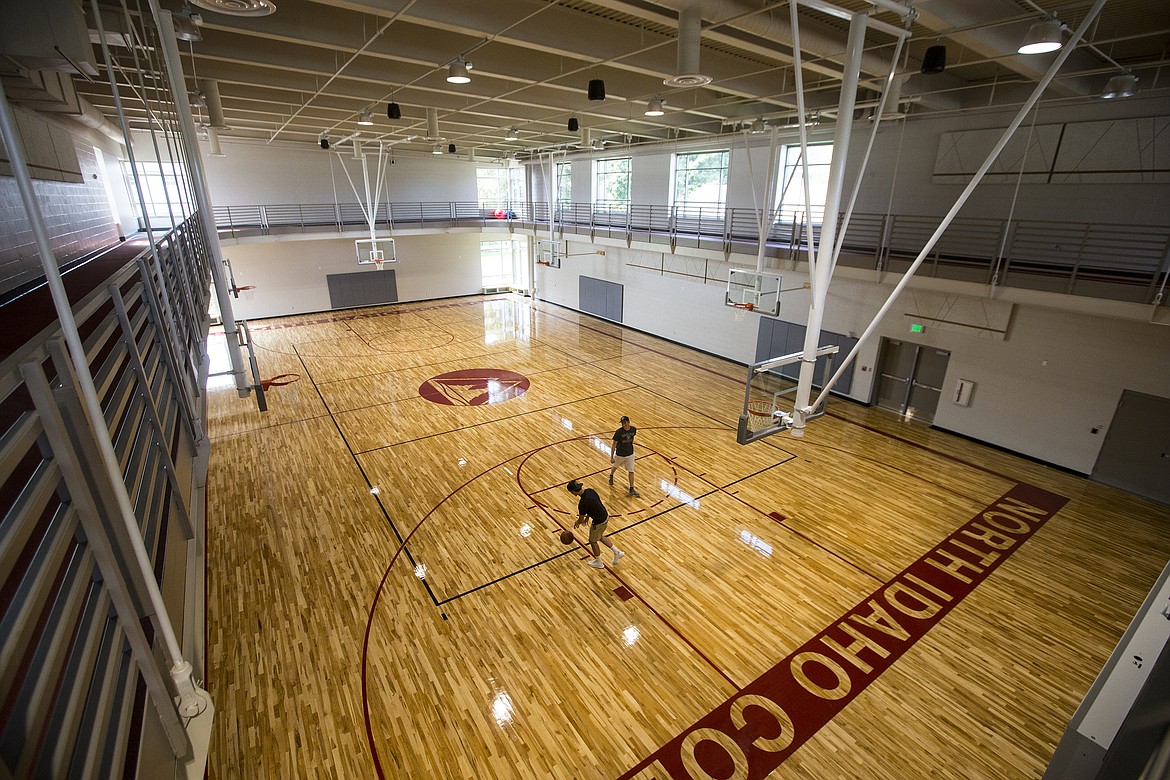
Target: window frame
pixel 707 208
pixel 600 204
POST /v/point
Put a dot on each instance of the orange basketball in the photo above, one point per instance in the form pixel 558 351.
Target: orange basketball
pixel 566 537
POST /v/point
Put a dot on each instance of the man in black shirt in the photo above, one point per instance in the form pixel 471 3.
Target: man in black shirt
pixel 622 453
pixel 591 508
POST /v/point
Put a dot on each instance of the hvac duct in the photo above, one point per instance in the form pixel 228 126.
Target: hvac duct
pixel 432 124
pixel 690 27
pixel 210 90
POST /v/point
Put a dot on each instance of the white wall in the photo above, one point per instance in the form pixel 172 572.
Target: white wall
pixel 1040 391
pixel 289 275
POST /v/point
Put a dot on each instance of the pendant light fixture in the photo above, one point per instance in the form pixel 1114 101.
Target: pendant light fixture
pixel 457 71
pixel 654 106
pixel 365 118
pixel 1043 37
pixel 511 134
pixel 1121 86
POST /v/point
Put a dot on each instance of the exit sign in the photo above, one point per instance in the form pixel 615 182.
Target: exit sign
pixel 915 328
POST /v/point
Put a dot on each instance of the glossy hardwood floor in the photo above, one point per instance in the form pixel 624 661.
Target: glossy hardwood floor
pixel 387 596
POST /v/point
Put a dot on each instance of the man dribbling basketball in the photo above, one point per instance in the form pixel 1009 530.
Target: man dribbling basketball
pixel 591 508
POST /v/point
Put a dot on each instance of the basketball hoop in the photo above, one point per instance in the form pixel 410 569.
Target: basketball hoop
pixel 761 414
pixel 379 265
pixel 746 306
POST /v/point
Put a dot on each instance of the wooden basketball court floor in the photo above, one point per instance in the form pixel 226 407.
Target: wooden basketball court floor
pixel 387 595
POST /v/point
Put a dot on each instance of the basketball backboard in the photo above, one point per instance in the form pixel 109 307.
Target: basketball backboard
pixel 764 393
pixel 549 252
pixel 753 290
pixel 375 251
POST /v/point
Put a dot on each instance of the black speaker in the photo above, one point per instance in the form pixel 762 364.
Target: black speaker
pixel 393 111
pixel 574 125
pixel 596 89
pixel 450 148
pixel 324 143
pixel 935 60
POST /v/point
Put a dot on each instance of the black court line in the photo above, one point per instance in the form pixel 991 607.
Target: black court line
pixel 366 477
pixel 714 489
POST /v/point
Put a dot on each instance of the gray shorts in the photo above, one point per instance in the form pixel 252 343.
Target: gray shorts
pixel 596 531
pixel 624 461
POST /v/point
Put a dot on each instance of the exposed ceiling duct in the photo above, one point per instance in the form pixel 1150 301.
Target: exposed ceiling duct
pixel 690 28
pixel 432 124
pixel 814 40
pixel 209 88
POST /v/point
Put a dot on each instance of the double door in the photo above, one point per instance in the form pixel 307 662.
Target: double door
pixel 910 379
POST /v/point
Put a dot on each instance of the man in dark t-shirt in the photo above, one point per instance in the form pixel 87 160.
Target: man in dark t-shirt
pixel 590 508
pixel 622 453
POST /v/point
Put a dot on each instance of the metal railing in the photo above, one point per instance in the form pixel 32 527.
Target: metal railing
pixel 1120 262
pixel 78 668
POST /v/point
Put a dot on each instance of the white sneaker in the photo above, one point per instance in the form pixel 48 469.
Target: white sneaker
pixel 617 555
pixel 596 563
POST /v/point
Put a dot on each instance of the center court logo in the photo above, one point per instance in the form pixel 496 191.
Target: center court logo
pixel 474 387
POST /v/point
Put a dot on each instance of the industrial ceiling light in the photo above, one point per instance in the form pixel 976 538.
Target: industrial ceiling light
pixel 1042 37
pixel 511 134
pixel 574 125
pixel 758 126
pixel 364 118
pixel 596 89
pixel 187 25
pixel 1120 86
pixel 935 60
pixel 654 106
pixel 457 71
pixel 393 111
pixel 438 149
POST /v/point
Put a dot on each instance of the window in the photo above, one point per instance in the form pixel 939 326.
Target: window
pixel 162 189
pixel 503 263
pixel 700 184
pixel 564 183
pixel 611 183
pixel 500 188
pixel 790 201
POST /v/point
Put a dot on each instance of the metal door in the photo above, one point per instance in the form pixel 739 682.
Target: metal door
pixel 910 379
pixel 1135 455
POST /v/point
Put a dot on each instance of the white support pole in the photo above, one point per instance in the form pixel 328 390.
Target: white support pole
pixel 1068 48
pixel 765 226
pixel 223 293
pixel 192 700
pixel 824 267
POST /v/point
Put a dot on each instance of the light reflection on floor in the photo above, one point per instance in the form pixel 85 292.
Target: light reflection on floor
pixel 219 373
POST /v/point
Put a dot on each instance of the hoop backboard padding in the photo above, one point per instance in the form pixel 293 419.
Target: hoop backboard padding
pixel 549 252
pixel 764 392
pixel 755 291
pixel 375 251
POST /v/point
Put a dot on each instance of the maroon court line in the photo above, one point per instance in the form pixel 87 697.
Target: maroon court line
pixel 789 703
